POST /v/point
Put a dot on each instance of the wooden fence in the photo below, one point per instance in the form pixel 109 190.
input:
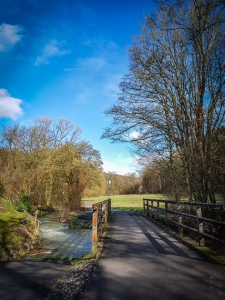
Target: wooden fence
pixel 101 212
pixel 205 220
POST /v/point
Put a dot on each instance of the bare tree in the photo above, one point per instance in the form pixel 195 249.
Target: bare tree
pixel 49 161
pixel 173 97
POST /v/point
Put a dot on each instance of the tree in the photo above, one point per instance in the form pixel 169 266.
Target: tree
pixel 157 177
pixel 2 188
pixel 219 156
pixel 172 102
pixel 151 180
pixel 50 162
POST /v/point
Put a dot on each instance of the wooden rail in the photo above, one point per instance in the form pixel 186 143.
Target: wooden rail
pixel 191 216
pixel 101 212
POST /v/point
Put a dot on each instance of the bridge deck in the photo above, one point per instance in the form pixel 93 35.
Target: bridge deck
pixel 140 261
pixel 143 261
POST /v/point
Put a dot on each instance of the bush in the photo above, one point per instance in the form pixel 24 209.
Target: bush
pixel 24 203
pixel 77 224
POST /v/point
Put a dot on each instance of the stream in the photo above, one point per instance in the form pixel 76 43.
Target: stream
pixel 61 241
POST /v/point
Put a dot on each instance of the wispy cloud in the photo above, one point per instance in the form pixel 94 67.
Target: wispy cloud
pixel 93 63
pixel 10 35
pixel 51 49
pixel 9 106
pixel 120 165
pixel 111 86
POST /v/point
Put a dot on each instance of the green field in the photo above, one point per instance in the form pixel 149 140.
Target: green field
pixel 133 202
pixel 126 202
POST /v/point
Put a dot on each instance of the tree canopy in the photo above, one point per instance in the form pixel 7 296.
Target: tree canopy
pixel 49 161
pixel 172 101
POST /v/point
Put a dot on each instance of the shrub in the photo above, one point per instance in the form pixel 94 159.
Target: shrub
pixel 24 203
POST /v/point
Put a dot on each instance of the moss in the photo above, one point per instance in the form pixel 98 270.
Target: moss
pixel 42 213
pixel 207 252
pixel 211 255
pixel 85 258
pixel 9 206
pixel 79 224
pixel 13 235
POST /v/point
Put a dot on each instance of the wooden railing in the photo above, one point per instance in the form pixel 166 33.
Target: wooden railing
pixel 101 212
pixel 203 219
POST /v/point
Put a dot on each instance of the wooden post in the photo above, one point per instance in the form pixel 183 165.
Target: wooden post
pixel 100 220
pixel 94 229
pixel 106 212
pixel 109 207
pixel 101 212
pixel 201 239
pixel 181 232
pixel 200 228
pixel 199 213
pixel 166 207
pixel 157 209
pixel 147 208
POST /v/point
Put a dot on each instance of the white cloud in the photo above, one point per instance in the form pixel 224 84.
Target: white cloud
pixel 9 106
pixel 9 36
pixel 134 135
pixel 51 49
pixel 120 165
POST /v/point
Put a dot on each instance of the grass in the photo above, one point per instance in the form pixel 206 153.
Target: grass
pixel 84 259
pixel 9 238
pixel 126 202
pixel 12 218
pixel 134 201
pixel 220 199
pixel 208 252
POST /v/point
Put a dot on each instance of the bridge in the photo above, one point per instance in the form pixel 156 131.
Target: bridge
pixel 140 260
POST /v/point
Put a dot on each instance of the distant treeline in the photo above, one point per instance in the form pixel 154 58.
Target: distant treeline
pixel 52 164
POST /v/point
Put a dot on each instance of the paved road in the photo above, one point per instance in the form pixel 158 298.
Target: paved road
pixel 144 261
pixel 27 280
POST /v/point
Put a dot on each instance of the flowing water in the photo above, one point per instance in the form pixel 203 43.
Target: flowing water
pixel 62 242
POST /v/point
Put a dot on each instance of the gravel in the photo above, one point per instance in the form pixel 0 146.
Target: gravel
pixel 67 287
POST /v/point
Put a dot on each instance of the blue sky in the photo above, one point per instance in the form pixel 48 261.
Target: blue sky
pixel 66 58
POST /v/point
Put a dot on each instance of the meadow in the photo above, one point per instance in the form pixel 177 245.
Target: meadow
pixel 134 202
pixel 126 202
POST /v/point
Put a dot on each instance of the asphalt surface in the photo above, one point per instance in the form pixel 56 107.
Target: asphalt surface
pixel 139 261
pixel 143 261
pixel 28 280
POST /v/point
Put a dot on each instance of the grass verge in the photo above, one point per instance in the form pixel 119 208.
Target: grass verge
pixel 126 202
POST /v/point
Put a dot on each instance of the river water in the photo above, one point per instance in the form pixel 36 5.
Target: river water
pixel 61 241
